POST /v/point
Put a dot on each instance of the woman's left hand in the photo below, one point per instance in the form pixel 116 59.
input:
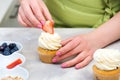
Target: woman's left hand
pixel 82 45
pixel 85 45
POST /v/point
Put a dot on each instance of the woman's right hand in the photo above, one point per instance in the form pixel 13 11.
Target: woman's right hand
pixel 33 13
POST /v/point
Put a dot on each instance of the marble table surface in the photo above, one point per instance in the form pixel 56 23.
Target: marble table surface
pixel 41 71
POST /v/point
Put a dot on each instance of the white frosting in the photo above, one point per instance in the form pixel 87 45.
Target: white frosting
pixel 49 41
pixel 107 59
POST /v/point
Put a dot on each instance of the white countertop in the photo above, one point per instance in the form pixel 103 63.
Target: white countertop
pixel 41 71
pixel 4 6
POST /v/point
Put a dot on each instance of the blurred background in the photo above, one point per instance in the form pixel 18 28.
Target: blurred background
pixel 8 13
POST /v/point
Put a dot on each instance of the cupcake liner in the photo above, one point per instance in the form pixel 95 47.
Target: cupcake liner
pixel 106 75
pixel 45 55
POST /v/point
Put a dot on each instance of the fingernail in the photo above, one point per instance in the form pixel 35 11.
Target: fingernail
pixel 58 53
pixel 54 60
pixel 42 22
pixel 39 26
pixel 63 65
pixel 77 67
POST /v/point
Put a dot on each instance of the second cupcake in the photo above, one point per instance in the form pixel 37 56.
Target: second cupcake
pixel 107 64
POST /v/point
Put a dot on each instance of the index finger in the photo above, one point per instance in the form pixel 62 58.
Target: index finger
pixel 37 10
pixel 45 11
pixel 29 14
pixel 68 47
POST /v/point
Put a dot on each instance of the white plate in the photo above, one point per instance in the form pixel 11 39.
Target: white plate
pixel 6 60
pixel 17 71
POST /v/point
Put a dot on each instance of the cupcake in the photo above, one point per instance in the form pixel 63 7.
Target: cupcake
pixel 48 44
pixel 107 64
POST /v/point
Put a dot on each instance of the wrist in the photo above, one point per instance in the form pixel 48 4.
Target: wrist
pixel 96 40
pixel 103 36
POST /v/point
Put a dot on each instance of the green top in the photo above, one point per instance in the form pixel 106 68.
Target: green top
pixel 82 13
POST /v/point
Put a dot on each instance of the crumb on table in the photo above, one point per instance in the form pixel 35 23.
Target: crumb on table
pixel 12 78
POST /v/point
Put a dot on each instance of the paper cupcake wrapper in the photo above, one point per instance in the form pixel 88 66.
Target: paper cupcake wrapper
pixel 102 77
pixel 106 75
pixel 46 56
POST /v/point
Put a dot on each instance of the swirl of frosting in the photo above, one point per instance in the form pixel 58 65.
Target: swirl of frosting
pixel 107 59
pixel 49 41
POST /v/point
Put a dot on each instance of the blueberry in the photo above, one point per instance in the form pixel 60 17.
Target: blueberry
pixel 7 49
pixel 16 48
pixel 1 48
pixel 4 45
pixel 1 52
pixel 6 53
pixel 12 51
pixel 12 45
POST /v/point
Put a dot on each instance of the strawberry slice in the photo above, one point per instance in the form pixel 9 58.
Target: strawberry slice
pixel 15 63
pixel 48 27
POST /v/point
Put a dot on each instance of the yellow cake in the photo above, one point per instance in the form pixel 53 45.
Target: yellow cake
pixel 46 55
pixel 107 64
pixel 105 74
pixel 48 44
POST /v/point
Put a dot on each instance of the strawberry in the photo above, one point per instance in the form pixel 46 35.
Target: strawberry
pixel 48 27
pixel 15 63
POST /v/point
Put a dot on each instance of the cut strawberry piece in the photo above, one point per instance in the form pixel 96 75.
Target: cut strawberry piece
pixel 15 63
pixel 48 27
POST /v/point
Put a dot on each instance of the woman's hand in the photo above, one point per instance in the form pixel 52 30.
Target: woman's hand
pixel 82 45
pixel 33 13
pixel 85 45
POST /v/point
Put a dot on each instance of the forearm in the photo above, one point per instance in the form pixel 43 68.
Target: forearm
pixel 108 32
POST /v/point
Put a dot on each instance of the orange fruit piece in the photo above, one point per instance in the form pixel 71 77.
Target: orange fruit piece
pixel 15 63
pixel 48 27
